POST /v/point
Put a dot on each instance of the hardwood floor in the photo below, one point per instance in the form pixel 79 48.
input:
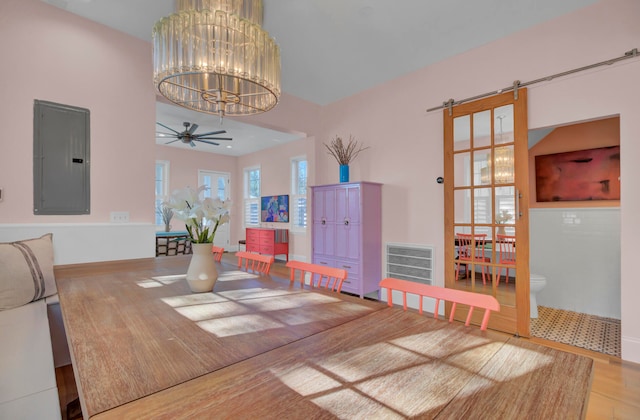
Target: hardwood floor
pixel 614 390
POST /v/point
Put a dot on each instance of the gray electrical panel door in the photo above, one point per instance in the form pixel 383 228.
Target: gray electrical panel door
pixel 60 159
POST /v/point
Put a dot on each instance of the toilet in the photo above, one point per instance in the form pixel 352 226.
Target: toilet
pixel 537 283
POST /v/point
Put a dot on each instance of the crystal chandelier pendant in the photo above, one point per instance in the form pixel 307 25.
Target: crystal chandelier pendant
pixel 213 56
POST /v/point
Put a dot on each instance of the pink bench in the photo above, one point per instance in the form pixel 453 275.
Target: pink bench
pixel 217 251
pixel 254 262
pixel 473 300
pixel 334 276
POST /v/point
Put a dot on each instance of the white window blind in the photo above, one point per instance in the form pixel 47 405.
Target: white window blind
pixel 252 197
pixel 298 193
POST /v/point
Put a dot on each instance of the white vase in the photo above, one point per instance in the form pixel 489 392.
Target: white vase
pixel 202 273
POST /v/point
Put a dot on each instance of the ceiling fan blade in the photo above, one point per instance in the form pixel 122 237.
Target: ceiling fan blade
pixel 192 144
pixel 169 142
pixel 168 128
pixel 193 128
pixel 159 134
pixel 209 142
pixel 212 133
pixel 214 138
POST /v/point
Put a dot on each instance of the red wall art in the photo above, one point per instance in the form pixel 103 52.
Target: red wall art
pixel 592 174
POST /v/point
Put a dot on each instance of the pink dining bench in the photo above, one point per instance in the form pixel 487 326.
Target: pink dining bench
pixel 255 262
pixel 217 252
pixel 332 277
pixel 473 300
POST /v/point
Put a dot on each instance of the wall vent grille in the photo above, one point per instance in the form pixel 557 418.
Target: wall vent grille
pixel 411 262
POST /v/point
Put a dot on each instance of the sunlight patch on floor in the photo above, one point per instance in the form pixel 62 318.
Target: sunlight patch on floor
pixel 236 325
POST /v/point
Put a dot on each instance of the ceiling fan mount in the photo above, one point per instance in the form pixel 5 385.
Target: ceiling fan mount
pixel 188 136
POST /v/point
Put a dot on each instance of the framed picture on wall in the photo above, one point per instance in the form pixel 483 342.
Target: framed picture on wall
pixel 582 175
pixel 275 208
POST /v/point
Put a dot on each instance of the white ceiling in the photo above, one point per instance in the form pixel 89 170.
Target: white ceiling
pixel 246 138
pixel 332 49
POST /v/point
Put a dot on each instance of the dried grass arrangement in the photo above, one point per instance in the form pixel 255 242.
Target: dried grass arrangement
pixel 344 154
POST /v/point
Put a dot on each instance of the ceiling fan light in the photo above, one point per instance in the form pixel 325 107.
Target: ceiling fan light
pixel 213 56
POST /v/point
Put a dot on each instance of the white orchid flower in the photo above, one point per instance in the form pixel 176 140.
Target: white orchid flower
pixel 199 215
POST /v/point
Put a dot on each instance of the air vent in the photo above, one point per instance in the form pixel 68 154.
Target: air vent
pixel 410 262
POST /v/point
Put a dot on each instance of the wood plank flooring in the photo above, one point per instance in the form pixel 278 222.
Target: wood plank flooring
pixel 614 391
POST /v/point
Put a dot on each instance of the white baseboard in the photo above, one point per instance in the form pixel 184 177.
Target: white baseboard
pixel 630 349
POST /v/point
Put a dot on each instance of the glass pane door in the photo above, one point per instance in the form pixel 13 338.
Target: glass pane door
pixel 486 183
pixel 217 186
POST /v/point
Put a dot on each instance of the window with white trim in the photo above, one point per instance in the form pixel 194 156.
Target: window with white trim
pixel 252 196
pixel 162 187
pixel 298 193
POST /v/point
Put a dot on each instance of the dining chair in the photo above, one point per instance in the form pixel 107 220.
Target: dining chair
pixel 471 249
pixel 506 248
pixel 473 300
pixel 255 262
pixel 318 274
pixel 217 251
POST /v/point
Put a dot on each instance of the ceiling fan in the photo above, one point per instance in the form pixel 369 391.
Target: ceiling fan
pixel 188 137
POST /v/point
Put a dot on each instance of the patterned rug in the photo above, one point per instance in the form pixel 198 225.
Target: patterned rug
pixel 580 330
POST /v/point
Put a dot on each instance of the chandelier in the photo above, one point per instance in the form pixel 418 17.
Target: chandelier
pixel 213 56
pixel 503 169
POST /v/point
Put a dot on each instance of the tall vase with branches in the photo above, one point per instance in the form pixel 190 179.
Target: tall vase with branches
pixel 344 153
pixel 167 214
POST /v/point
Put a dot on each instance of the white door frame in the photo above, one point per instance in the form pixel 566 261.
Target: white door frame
pixel 223 233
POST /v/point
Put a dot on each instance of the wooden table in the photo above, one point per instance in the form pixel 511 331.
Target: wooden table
pixel 258 348
pixel 134 328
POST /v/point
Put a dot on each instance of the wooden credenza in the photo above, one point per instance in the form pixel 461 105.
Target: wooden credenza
pixel 268 241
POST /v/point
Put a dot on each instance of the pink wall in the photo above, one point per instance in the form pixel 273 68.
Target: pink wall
pixel 292 115
pixel 52 55
pixel 275 172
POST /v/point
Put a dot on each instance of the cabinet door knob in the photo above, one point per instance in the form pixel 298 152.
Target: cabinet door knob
pixel 346 266
pixel 346 222
pixel 324 222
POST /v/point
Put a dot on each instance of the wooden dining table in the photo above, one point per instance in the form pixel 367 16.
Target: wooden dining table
pixel 144 346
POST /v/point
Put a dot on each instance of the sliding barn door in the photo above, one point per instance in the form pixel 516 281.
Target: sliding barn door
pixel 486 205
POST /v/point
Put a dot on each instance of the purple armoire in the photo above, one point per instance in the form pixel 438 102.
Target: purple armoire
pixel 347 232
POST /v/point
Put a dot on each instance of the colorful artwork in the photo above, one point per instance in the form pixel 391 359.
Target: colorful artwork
pixel 275 208
pixel 592 174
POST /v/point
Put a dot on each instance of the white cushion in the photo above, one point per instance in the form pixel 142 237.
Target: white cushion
pixel 26 359
pixel 44 405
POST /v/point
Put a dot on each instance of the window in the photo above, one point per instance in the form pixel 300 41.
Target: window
pixel 216 182
pixel 252 197
pixel 299 193
pixel 162 187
